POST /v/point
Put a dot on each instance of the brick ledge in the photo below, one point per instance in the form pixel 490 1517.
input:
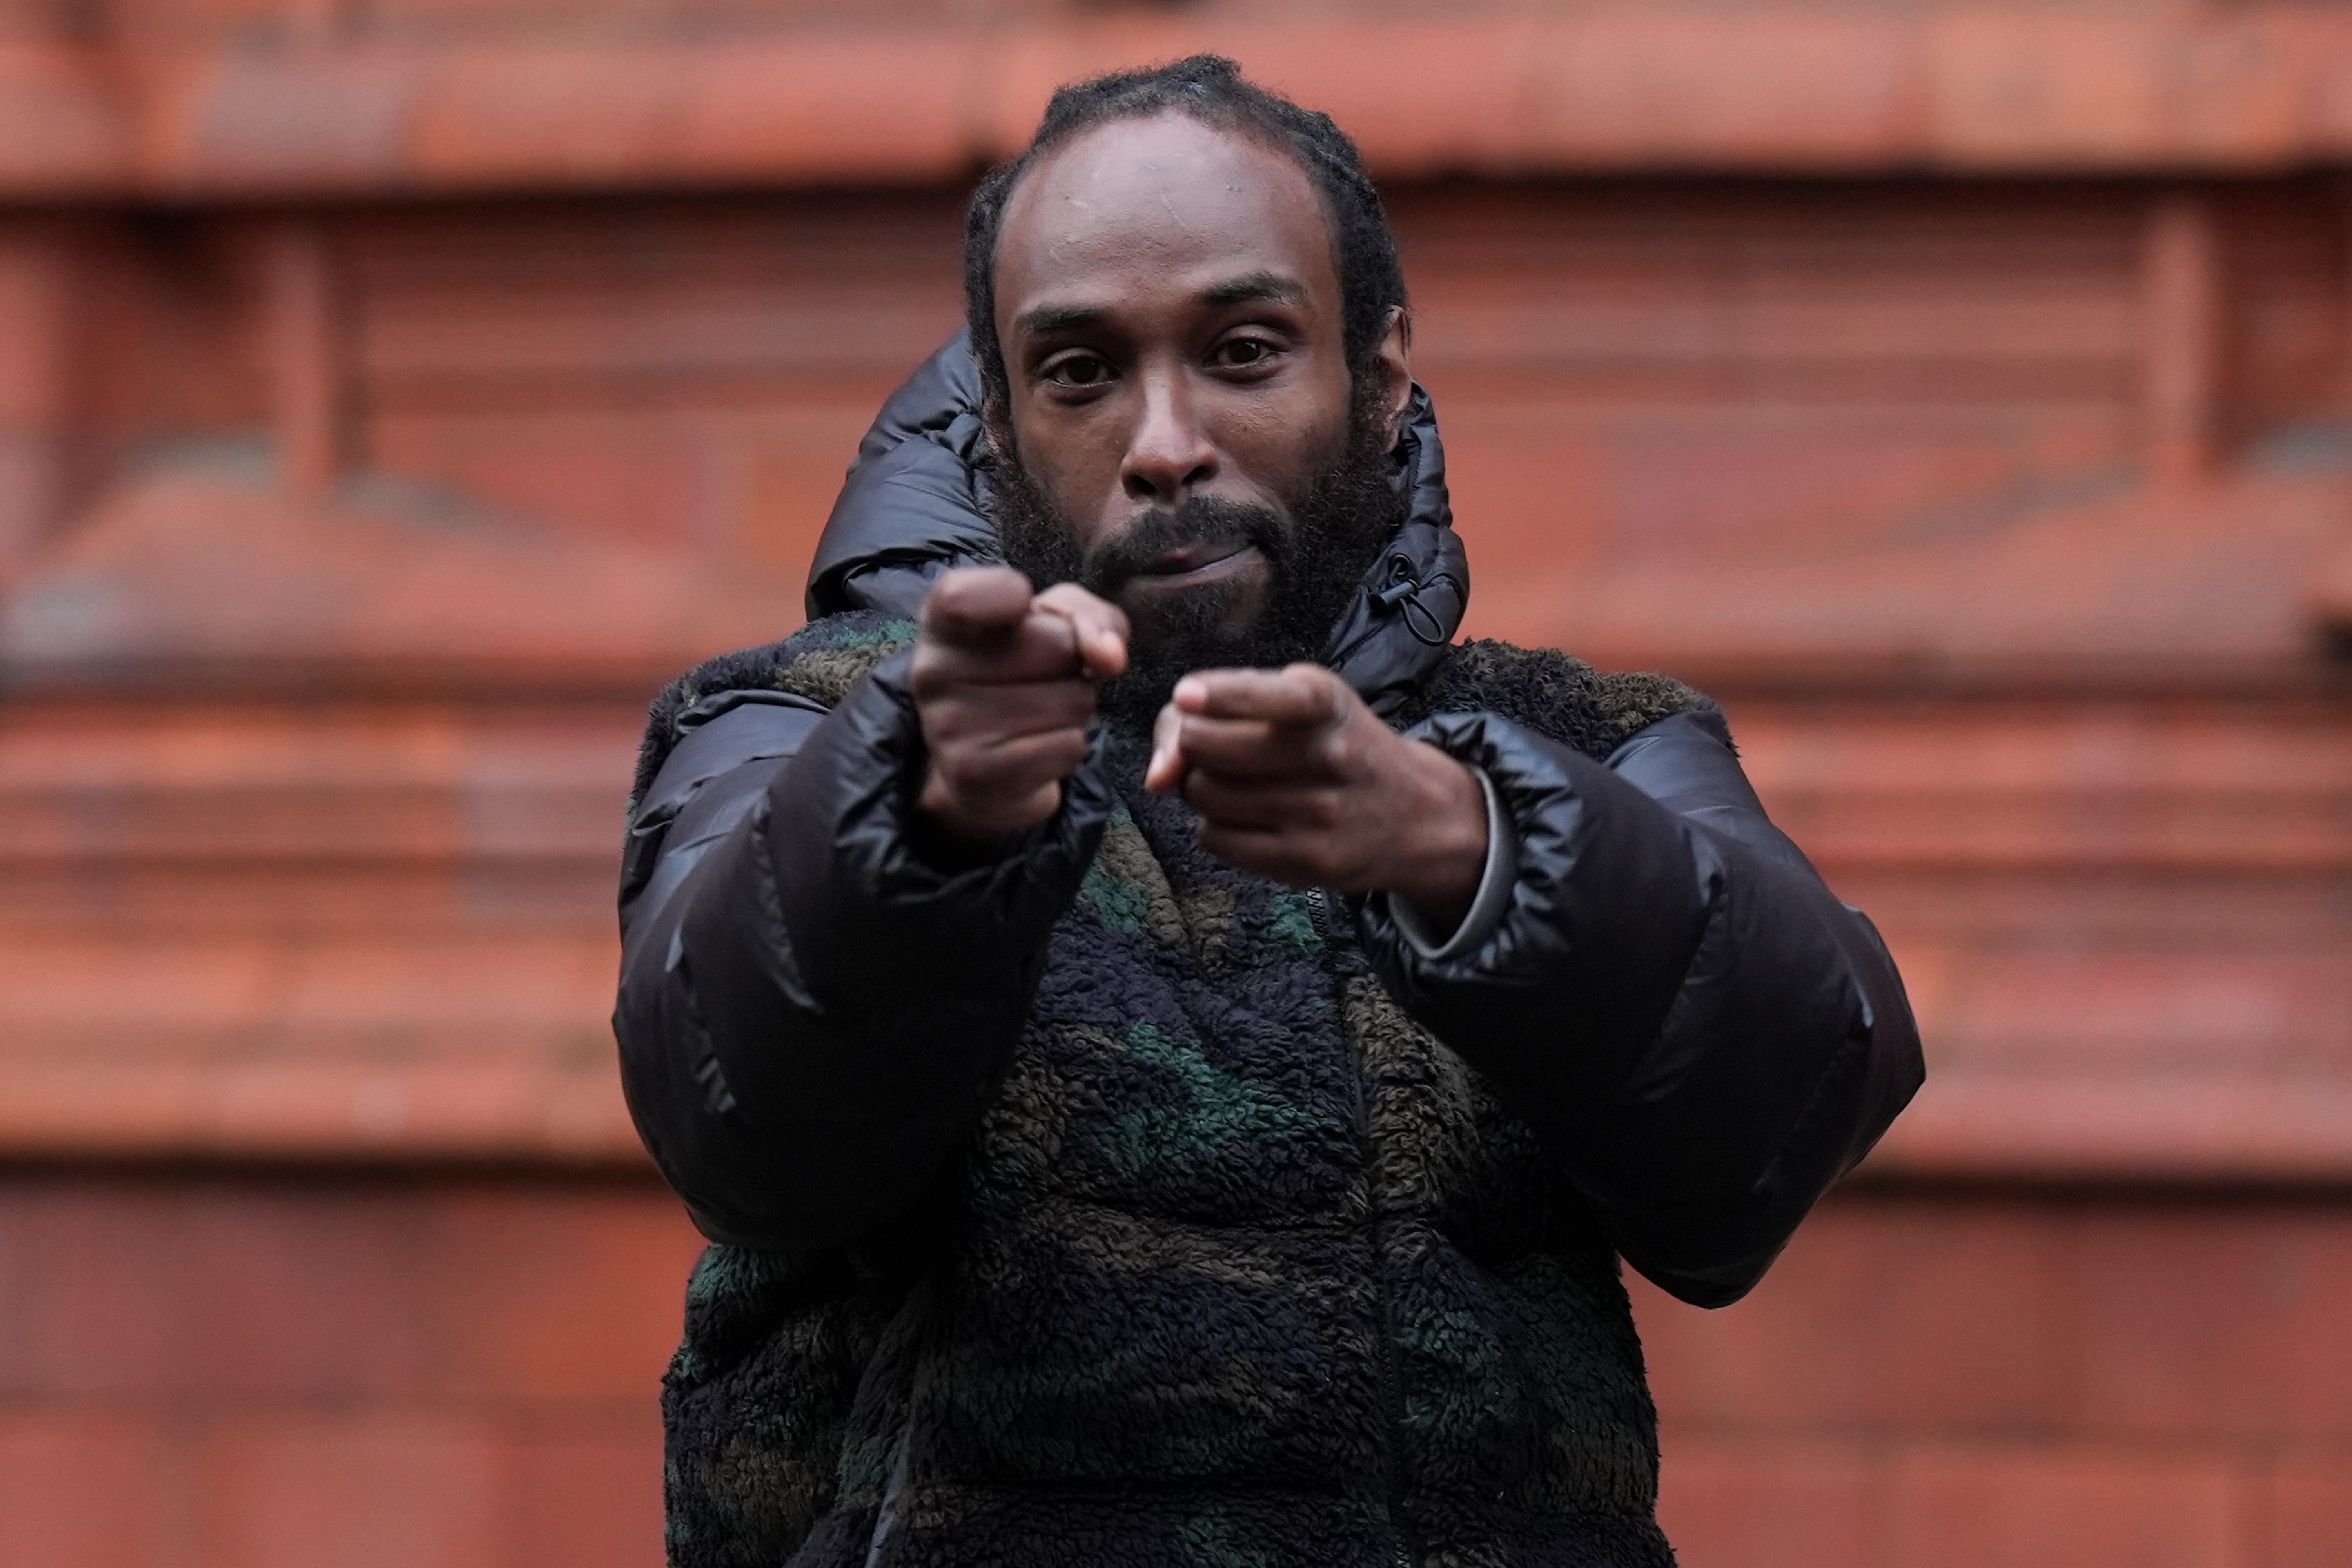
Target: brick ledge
pixel 1615 89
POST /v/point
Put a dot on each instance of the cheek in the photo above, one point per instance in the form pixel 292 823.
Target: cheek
pixel 1284 445
pixel 1073 456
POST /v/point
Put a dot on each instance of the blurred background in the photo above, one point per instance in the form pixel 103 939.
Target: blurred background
pixel 394 392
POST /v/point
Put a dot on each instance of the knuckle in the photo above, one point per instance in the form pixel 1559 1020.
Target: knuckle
pixel 943 729
pixel 953 767
pixel 950 595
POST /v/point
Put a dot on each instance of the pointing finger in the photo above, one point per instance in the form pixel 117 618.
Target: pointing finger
pixel 975 607
pixel 1252 749
pixel 1296 694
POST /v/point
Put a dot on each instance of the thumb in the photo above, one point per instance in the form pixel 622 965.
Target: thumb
pixel 1098 626
pixel 1166 769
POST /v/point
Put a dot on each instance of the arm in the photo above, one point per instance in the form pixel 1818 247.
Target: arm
pixel 834 923
pixel 1703 1033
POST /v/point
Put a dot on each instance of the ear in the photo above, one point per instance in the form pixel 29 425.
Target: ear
pixel 1392 370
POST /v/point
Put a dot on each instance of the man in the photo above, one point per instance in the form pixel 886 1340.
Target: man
pixel 1170 1061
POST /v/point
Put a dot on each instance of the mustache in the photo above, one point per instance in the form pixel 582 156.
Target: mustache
pixel 1136 550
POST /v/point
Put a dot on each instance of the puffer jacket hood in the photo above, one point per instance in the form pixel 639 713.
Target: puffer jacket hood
pixel 915 503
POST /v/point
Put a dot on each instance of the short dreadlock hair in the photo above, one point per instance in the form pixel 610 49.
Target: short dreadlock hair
pixel 1209 89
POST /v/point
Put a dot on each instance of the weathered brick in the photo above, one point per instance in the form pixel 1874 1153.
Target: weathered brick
pixel 2306 1518
pixel 82 1489
pixel 2222 1321
pixel 588 1493
pixel 290 1489
pixel 2059 1506
pixel 1771 1500
pixel 563 1302
pixel 1936 1314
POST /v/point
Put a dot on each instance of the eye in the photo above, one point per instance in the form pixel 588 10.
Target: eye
pixel 1245 353
pixel 1078 371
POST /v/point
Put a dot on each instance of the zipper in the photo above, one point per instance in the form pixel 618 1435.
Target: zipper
pixel 1391 1384
pixel 1318 911
pixel 1392 1390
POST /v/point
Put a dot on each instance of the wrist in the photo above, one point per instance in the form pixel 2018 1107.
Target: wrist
pixel 1446 860
pixel 945 846
pixel 951 828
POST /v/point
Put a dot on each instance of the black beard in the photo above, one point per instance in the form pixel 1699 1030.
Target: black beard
pixel 1317 559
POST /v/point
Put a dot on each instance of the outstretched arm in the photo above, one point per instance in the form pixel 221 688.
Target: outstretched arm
pixel 1654 975
pixel 837 931
pixel 1704 1033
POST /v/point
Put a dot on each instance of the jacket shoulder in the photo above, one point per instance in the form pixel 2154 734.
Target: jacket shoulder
pixel 823 662
pixel 914 502
pixel 1555 694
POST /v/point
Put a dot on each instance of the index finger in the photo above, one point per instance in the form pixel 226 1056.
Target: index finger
pixel 1099 625
pixel 1296 696
pixel 975 606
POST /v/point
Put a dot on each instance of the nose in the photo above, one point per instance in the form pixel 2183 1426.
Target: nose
pixel 1169 454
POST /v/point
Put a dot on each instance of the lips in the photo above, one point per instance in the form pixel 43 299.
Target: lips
pixel 1207 546
pixel 1196 565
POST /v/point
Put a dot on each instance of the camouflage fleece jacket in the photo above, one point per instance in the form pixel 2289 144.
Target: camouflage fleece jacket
pixel 1103 1203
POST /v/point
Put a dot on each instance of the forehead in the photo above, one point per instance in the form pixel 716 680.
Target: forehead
pixel 1160 205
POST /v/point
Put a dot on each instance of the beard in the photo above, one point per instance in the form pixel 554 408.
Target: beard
pixel 1317 557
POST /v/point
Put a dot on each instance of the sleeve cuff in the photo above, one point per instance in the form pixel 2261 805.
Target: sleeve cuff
pixel 1486 909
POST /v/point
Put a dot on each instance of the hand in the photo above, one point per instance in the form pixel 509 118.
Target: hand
pixel 1297 780
pixel 1005 686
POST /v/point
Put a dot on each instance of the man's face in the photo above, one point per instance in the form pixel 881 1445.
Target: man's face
pixel 1180 407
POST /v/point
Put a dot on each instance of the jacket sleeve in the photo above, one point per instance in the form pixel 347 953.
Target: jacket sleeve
pixel 1702 1032
pixel 811 1011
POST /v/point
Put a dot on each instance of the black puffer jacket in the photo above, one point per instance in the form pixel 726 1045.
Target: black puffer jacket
pixel 1742 1035
pixel 877 1083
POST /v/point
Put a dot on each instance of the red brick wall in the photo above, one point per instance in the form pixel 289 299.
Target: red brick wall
pixel 260 1372
pixel 256 1372
pixel 390 395
pixel 1938 1379
pixel 1760 430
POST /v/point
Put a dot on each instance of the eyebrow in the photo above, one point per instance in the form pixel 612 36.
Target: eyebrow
pixel 1047 321
pixel 1256 288
pixel 1250 288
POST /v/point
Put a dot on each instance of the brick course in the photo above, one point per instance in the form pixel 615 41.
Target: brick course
pixel 441 1369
